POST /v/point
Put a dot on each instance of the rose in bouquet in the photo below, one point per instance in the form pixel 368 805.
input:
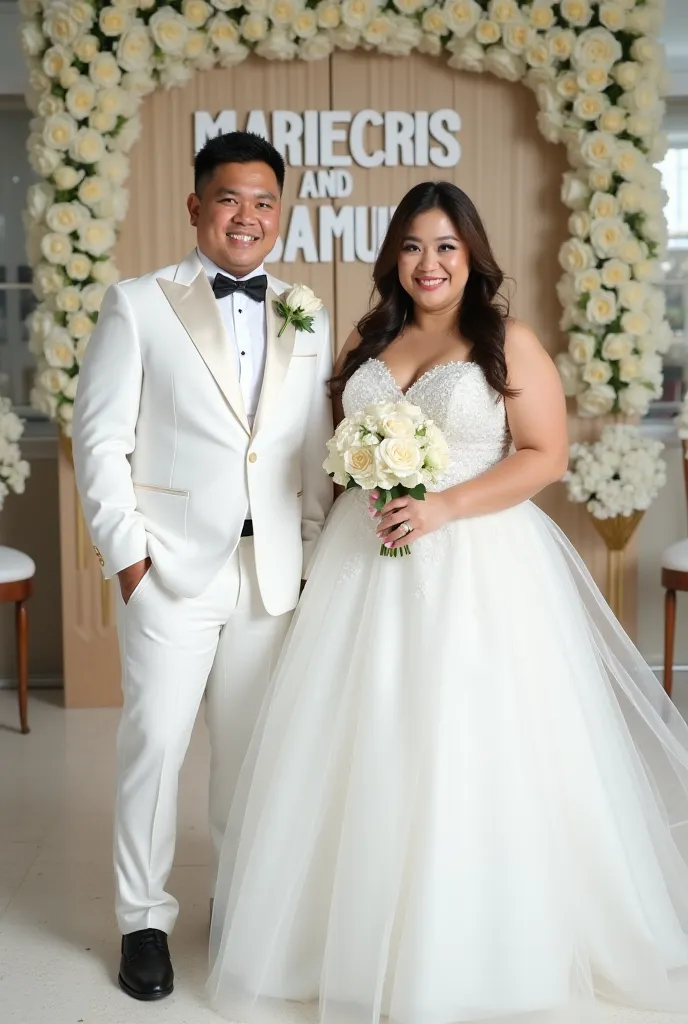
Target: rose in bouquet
pixel 619 475
pixel 391 448
pixel 13 469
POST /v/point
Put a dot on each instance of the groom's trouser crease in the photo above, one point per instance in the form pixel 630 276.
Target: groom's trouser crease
pixel 173 644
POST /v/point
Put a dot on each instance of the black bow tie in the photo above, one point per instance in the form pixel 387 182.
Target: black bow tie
pixel 254 287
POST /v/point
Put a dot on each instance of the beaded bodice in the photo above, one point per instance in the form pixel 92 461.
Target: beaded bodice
pixel 457 397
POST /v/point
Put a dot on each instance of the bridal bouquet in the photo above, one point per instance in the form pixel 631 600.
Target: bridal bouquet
pixel 389 447
pixel 619 475
pixel 13 469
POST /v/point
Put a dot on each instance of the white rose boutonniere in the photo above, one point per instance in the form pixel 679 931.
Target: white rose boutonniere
pixel 298 306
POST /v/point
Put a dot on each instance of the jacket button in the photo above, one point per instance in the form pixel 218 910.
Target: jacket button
pixel 252 457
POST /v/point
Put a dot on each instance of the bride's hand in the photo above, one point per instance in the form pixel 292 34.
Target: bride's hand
pixel 422 516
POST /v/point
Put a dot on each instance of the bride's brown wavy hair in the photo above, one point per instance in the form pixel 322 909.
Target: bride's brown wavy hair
pixel 482 312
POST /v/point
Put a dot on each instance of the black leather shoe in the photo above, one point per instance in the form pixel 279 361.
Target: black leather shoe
pixel 145 970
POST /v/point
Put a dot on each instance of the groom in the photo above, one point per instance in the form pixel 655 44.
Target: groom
pixel 199 436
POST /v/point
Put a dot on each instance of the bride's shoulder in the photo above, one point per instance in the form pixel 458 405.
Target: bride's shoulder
pixel 521 343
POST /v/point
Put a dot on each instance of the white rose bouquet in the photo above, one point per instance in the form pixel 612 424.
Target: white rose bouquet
pixel 619 475
pixel 389 447
pixel 13 469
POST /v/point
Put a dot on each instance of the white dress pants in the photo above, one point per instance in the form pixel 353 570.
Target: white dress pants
pixel 173 650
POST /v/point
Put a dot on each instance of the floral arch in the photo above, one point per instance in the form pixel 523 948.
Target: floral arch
pixel 595 65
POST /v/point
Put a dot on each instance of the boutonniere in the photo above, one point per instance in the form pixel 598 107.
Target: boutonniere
pixel 298 306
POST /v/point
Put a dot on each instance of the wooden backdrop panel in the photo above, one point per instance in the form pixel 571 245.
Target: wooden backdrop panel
pixel 512 174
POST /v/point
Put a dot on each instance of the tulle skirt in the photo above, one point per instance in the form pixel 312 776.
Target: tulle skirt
pixel 466 798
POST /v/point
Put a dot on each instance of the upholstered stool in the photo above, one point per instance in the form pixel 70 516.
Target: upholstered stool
pixel 17 571
pixel 674 577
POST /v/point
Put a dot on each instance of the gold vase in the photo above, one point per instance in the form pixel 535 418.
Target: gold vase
pixel 616 533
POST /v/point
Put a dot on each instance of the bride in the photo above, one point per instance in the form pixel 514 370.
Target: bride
pixel 466 793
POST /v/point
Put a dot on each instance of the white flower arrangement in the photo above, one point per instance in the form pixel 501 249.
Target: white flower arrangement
pixel 595 65
pixel 298 306
pixel 618 475
pixel 13 469
pixel 389 447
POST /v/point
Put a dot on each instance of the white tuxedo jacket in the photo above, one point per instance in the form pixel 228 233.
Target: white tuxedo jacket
pixel 165 460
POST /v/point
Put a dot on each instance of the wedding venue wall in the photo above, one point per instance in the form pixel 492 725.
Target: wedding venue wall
pixel 358 127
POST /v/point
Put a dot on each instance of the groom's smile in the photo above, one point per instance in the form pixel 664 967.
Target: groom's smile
pixel 236 213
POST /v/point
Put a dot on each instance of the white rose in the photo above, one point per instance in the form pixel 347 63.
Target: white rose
pixel 72 384
pixel 196 45
pixel 612 120
pixel 66 177
pixel 617 346
pixel 114 167
pixel 589 106
pixel 43 402
pixel 406 36
pixel 503 64
pixel 631 251
pixel 597 372
pixel 227 5
pixel 83 13
pixel 655 229
pixel 305 24
pixel 65 414
pixel 504 11
pixel 69 76
pixel 53 380
pixel 223 32
pixel 81 98
pixel 576 255
pixel 400 457
pixel 173 72
pixel 302 298
pixel 30 8
pixel 277 46
pixel 66 218
pixel 630 197
pixel 604 206
pixel 359 463
pixel 97 237
pixel 283 12
pixel 409 6
pixel 317 48
pixel 88 146
pixel 582 347
pixel 487 32
pixel 538 55
pixel 596 401
pixel 102 121
pixel 169 30
pixel 647 270
pixel 569 373
pixel 627 74
pixel 196 12
pixel 39 198
pixel 93 190
pixel 541 15
pixel 50 105
pixel 467 55
pixel 135 49
pixel 60 131
pixel 607 235
pixel 596 47
pixel 254 27
pixel 430 44
pixel 335 467
pixel 47 280
pixel 92 297
pixel 634 321
pixel 579 224
pixel 56 248
pixel 104 71
pixel 113 21
pixel 41 322
pixel 329 14
pixel 55 60
pixel 79 325
pixel 644 21
pixel 516 36
pixel 574 191
pixel 630 368
pixel 615 272
pixel 32 39
pixel 600 179
pixel 59 349
pixel 599 148
pixel 634 400
pixel 462 16
pixel 128 134
pixel 612 16
pixel 78 266
pixel 114 204
pixel 59 25
pixel 576 12
pixel 86 48
pixel 601 307
pixel 587 281
pixel 633 295
pixel 139 83
pixel 105 272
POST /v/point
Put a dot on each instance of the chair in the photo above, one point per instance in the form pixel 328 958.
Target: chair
pixel 674 577
pixel 17 571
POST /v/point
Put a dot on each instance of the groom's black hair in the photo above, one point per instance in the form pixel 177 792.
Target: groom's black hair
pixel 235 148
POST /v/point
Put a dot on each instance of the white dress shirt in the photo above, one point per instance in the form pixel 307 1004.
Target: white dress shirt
pixel 244 321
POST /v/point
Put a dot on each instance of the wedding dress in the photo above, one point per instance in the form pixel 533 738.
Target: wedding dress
pixel 467 795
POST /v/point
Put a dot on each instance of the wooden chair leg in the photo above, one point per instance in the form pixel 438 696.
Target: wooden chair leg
pixel 22 626
pixel 669 633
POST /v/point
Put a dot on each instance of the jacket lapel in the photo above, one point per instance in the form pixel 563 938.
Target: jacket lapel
pixel 192 299
pixel 278 357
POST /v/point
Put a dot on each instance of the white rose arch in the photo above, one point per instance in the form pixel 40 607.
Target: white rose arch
pixel 596 68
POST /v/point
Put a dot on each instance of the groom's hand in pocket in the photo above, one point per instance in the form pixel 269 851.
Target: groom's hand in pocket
pixel 130 577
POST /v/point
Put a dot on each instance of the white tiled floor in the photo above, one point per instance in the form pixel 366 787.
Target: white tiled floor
pixel 59 948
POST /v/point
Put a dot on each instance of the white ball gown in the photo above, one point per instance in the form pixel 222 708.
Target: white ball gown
pixel 466 794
